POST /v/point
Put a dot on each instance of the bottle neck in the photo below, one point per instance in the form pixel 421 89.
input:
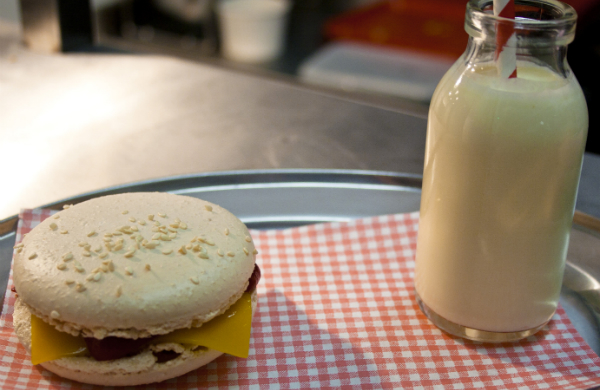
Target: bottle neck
pixel 542 28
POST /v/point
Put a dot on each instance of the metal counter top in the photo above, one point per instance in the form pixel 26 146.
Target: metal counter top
pixel 76 123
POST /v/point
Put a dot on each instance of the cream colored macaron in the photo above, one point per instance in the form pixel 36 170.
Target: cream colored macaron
pixel 134 265
pixel 142 368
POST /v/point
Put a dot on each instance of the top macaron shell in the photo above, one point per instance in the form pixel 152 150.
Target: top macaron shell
pixel 72 272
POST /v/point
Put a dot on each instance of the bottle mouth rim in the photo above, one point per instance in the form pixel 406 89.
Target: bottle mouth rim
pixel 551 12
pixel 537 22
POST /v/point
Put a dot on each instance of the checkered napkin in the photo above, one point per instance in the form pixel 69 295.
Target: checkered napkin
pixel 337 310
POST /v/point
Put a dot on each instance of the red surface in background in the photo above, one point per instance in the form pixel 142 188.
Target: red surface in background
pixel 431 26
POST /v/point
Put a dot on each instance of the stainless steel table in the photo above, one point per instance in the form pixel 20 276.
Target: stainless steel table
pixel 75 123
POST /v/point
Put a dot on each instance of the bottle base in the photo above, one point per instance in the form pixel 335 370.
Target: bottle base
pixel 471 333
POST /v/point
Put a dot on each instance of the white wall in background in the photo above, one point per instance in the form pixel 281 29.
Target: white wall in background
pixel 10 11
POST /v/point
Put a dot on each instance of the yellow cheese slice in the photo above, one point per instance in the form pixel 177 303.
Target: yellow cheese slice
pixel 228 333
pixel 47 343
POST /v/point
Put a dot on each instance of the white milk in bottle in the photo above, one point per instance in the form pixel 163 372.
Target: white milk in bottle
pixel 502 166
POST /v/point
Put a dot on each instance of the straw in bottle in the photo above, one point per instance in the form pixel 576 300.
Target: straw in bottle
pixel 506 40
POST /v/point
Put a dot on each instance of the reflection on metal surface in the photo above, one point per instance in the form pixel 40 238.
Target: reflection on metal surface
pixel 587 221
pixel 309 184
pixel 580 297
pixel 85 101
pixel 578 279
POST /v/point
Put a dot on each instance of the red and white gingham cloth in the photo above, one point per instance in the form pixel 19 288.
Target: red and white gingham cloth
pixel 337 310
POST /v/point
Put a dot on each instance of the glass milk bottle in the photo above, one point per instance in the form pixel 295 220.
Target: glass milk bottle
pixel 502 165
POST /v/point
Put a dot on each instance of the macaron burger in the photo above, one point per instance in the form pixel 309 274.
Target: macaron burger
pixel 135 288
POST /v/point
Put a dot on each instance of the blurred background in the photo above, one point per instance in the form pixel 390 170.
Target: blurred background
pixel 391 53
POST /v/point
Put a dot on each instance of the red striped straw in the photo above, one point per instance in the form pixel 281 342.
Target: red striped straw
pixel 506 40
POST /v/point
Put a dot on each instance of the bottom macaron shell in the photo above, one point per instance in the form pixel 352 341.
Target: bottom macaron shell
pixel 135 370
pixel 159 372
